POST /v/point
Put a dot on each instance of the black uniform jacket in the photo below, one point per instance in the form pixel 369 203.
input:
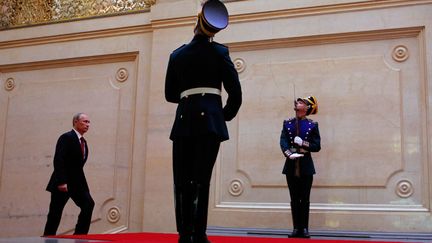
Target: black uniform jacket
pixel 202 64
pixel 68 164
pixel 309 132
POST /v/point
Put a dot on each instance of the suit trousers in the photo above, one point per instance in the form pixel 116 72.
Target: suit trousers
pixel 193 161
pixel 59 199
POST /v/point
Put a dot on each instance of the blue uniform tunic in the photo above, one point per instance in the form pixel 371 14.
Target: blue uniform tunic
pixel 307 130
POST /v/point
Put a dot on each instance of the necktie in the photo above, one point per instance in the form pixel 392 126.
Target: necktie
pixel 82 146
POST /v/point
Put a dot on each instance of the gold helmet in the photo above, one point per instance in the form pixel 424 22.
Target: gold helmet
pixel 311 103
pixel 213 17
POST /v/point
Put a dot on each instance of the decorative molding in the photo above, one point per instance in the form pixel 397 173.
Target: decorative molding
pixel 26 13
pixel 113 215
pixel 174 22
pixel 236 187
pixel 239 64
pixel 79 61
pixel 326 207
pixel 324 9
pixel 122 75
pixel 326 39
pixel 294 12
pixel 132 30
pixel 400 53
pixel 116 230
pixel 269 75
pixel 404 188
pixel 190 20
pixel 9 84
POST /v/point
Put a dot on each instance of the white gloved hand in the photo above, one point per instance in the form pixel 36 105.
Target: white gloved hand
pixel 298 141
pixel 295 156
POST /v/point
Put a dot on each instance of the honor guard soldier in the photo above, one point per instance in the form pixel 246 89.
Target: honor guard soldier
pixel 299 137
pixel 195 75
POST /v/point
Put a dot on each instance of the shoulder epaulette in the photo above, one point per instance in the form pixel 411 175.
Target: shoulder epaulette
pixel 312 121
pixel 179 48
pixel 290 119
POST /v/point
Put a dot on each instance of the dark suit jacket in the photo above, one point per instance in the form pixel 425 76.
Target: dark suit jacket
pixel 68 164
pixel 202 64
pixel 308 131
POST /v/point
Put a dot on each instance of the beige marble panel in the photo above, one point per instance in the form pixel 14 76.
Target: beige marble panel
pixel 39 108
pixel 370 96
pixel 354 95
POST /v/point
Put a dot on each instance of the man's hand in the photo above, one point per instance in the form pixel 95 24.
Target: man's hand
pixel 62 187
pixel 295 156
pixel 298 141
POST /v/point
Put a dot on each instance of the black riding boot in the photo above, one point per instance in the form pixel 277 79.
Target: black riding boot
pixel 304 205
pixel 183 212
pixel 295 213
pixel 200 211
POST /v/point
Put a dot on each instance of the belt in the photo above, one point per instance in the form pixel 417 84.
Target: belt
pixel 300 150
pixel 200 90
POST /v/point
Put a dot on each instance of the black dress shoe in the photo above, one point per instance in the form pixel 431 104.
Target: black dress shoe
pixel 295 234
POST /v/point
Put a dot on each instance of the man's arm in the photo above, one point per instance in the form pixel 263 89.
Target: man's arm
pixel 231 84
pixel 60 163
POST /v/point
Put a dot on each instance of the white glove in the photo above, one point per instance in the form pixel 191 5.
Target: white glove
pixel 295 156
pixel 298 141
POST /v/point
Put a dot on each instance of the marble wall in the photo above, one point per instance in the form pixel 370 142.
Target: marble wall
pixel 367 62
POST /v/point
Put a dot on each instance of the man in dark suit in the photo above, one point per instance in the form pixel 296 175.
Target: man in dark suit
pixel 194 79
pixel 299 137
pixel 68 179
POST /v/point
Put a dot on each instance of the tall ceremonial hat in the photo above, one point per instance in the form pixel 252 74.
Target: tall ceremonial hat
pixel 311 103
pixel 213 17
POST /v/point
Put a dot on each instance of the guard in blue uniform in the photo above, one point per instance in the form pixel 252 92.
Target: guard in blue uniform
pixel 194 78
pixel 299 137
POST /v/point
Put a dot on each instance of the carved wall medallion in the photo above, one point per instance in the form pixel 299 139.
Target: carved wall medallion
pixel 404 188
pixel 236 187
pixel 239 65
pixel 113 215
pixel 122 75
pixel 9 84
pixel 400 53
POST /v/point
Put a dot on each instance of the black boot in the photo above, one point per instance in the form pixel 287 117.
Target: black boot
pixel 295 213
pixel 183 212
pixel 185 239
pixel 306 233
pixel 295 233
pixel 200 212
pixel 200 239
pixel 304 209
